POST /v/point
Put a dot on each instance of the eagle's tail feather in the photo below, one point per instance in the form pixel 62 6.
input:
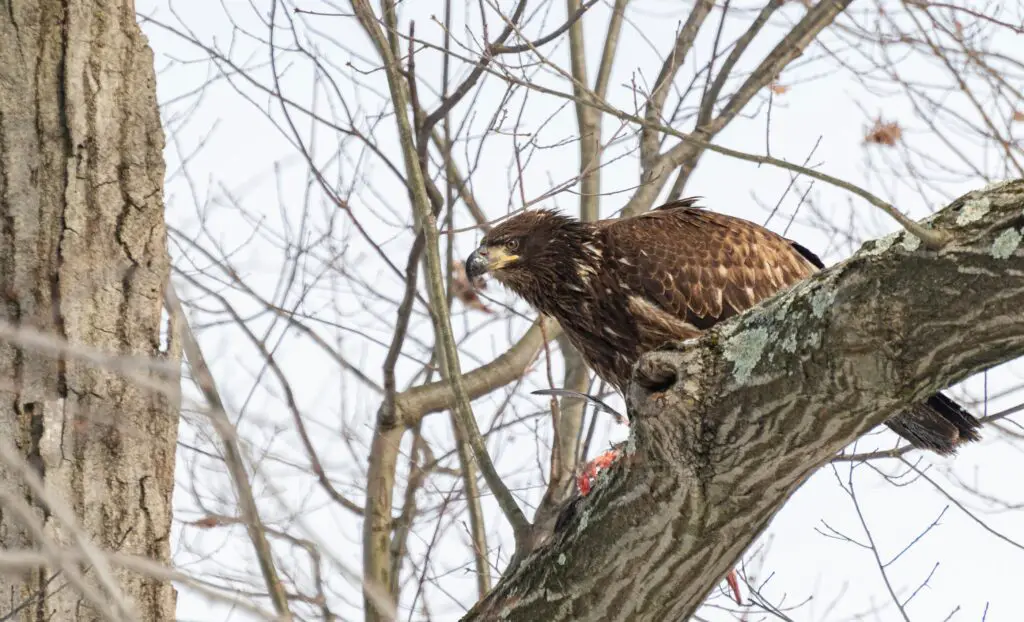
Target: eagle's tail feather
pixel 938 424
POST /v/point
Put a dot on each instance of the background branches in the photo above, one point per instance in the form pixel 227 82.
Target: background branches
pixel 330 164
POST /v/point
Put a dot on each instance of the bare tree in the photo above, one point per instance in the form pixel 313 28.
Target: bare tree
pixel 90 419
pixel 326 278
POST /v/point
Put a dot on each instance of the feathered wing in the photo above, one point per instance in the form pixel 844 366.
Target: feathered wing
pixel 687 269
pixel 697 266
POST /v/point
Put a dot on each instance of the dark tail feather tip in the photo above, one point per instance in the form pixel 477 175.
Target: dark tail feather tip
pixel 966 423
pixel 938 424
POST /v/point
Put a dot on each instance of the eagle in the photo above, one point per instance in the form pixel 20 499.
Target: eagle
pixel 622 287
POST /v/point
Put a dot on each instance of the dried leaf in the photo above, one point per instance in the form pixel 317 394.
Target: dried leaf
pixel 778 89
pixel 884 133
pixel 207 522
pixel 466 291
pixel 1018 115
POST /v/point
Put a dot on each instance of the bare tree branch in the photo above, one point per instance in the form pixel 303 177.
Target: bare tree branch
pixel 685 154
pixel 239 476
pixel 419 401
pixel 646 192
pixel 427 226
pixel 649 136
pixel 501 106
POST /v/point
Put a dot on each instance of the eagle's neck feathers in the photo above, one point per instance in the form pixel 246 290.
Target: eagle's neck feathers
pixel 571 257
pixel 570 284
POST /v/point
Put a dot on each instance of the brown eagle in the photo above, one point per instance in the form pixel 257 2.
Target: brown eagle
pixel 624 287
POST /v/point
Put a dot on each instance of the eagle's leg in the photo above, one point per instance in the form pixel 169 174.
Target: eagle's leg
pixel 590 471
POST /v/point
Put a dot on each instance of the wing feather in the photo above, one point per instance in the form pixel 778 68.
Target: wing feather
pixel 698 266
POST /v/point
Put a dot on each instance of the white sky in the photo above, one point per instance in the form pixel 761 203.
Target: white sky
pixel 233 150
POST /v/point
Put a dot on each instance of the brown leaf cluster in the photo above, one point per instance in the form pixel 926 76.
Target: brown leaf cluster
pixel 465 291
pixel 884 133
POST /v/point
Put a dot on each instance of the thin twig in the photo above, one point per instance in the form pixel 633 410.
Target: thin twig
pixel 233 455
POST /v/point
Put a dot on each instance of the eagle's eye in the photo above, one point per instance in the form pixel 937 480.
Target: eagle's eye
pixel 513 245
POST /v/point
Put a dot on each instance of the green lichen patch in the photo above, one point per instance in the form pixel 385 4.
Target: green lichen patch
pixel 973 210
pixel 1006 244
pixel 782 309
pixel 911 242
pixel 879 246
pixel 789 343
pixel 821 300
pixel 907 240
pixel 584 520
pixel 996 185
pixel 744 350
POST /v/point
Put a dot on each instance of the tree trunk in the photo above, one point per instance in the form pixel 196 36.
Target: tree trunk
pixel 724 428
pixel 83 258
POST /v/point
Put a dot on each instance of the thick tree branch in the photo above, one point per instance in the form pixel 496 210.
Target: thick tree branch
pixel 725 428
pixel 415 403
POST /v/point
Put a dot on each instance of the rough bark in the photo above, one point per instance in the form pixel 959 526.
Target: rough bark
pixel 83 257
pixel 726 427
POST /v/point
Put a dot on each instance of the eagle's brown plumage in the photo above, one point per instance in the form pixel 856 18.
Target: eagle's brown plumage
pixel 623 287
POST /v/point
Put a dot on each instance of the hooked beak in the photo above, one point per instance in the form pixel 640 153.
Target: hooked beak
pixel 487 259
pixel 476 265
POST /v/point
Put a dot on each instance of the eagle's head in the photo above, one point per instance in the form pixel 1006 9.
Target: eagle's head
pixel 532 251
